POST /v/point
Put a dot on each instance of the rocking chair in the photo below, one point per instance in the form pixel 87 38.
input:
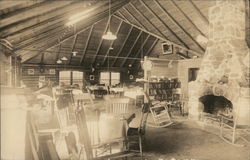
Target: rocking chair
pixel 160 114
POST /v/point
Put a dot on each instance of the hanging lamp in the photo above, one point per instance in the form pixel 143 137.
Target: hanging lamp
pixel 64 58
pixel 109 35
pixel 59 61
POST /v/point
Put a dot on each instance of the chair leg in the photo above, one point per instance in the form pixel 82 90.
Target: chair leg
pixel 140 145
pixel 80 152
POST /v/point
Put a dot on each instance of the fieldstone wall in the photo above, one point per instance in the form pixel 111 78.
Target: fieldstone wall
pixel 225 66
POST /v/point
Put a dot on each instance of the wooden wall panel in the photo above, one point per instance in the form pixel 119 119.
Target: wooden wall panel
pixel 31 81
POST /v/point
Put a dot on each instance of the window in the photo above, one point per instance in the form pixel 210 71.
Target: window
pixel 64 77
pixel 115 78
pixel 71 77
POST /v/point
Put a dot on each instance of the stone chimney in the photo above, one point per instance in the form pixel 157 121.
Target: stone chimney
pixel 225 66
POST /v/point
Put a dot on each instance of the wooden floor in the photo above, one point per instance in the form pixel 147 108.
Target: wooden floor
pixel 186 140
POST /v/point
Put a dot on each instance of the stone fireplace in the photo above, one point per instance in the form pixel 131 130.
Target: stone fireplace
pixel 224 70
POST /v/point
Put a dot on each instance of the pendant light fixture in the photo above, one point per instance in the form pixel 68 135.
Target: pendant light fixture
pixel 64 58
pixel 74 53
pixel 59 61
pixel 109 35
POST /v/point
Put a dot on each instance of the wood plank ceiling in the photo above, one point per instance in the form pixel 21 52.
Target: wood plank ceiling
pixel 38 32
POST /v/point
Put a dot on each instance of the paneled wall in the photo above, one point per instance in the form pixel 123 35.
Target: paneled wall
pixel 32 80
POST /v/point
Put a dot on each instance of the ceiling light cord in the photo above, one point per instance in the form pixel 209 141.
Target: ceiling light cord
pixel 109 16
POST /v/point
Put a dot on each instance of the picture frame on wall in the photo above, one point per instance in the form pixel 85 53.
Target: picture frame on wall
pixel 167 48
pixel 41 78
pixel 92 77
pixel 52 71
pixel 31 71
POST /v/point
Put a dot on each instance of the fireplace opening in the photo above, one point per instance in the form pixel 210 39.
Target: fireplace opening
pixel 217 105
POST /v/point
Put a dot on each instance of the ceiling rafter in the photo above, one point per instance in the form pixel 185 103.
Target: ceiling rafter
pixel 86 45
pixel 159 37
pixel 111 44
pixel 50 43
pixel 30 14
pixel 123 44
pixel 185 15
pixel 73 47
pixel 56 42
pixel 199 12
pixel 62 27
pixel 27 35
pixel 101 41
pixel 58 15
pixel 141 49
pixel 20 8
pixel 149 50
pixel 177 24
pixel 155 27
pixel 134 17
pixel 183 55
pixel 131 49
pixel 165 25
pixel 45 36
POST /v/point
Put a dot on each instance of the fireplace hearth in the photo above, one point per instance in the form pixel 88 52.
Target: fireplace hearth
pixel 225 68
pixel 217 105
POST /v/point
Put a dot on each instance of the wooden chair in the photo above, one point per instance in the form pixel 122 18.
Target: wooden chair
pixel 117 106
pixel 135 136
pixel 232 133
pixel 160 114
pixel 84 138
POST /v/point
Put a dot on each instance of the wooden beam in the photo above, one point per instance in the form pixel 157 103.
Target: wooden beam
pixel 164 24
pixel 60 27
pixel 130 50
pixel 149 50
pixel 42 37
pixel 183 55
pixel 199 12
pixel 101 41
pixel 121 48
pixel 148 20
pixel 34 12
pixel 61 15
pixel 42 58
pixel 73 67
pixel 56 42
pixel 86 45
pixel 134 17
pixel 178 25
pixel 58 53
pixel 58 15
pixel 159 37
pixel 25 5
pixel 185 15
pixel 111 44
pixel 141 50
pixel 73 47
